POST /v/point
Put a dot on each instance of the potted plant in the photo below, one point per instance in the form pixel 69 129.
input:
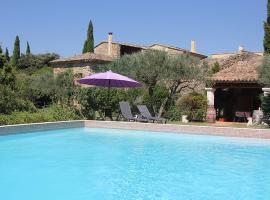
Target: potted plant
pixel 221 115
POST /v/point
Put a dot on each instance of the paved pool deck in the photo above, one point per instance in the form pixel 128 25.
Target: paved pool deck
pixel 176 128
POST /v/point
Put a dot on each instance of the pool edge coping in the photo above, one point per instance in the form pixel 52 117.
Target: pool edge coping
pixel 42 126
pixel 176 128
pixel 188 129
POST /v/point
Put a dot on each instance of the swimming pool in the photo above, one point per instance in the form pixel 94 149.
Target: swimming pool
pixel 92 163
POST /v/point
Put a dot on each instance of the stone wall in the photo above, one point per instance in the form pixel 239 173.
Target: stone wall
pixel 103 49
pixel 81 68
pixel 169 50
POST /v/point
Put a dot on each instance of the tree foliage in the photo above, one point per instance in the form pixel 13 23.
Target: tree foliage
pixel 264 71
pixel 11 99
pixel 28 51
pixel 266 105
pixel 16 52
pixel 215 68
pixel 7 76
pixel 89 42
pixel 29 90
pixel 266 41
pixel 194 105
pixel 30 63
pixel 2 59
pixel 7 55
pixel 153 68
pixel 94 101
pixel 48 114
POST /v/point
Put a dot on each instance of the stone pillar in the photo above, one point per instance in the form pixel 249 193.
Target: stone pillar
pixel 211 111
pixel 266 91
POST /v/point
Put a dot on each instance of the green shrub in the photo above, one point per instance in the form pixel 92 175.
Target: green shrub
pixel 215 68
pixel 11 101
pixel 266 105
pixel 193 105
pixel 94 101
pixel 61 113
pixel 53 113
pixel 173 114
pixel 154 102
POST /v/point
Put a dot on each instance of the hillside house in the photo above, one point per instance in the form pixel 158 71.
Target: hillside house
pixel 106 51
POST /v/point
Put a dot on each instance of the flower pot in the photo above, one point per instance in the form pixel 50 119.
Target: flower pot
pixel 221 120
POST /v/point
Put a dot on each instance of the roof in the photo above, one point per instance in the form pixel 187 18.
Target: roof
pixel 239 68
pixel 103 57
pixel 89 56
pixel 233 53
pixel 125 44
pixel 179 49
pixel 147 47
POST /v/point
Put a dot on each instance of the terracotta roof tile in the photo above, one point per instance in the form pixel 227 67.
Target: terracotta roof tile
pixel 124 44
pixel 84 57
pixel 179 49
pixel 239 68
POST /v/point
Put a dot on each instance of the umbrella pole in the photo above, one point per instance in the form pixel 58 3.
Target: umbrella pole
pixel 108 114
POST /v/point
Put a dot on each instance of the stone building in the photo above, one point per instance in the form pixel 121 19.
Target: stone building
pixel 177 50
pixel 81 65
pixel 235 91
pixel 109 50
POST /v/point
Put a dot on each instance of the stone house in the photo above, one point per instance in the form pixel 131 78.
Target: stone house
pixel 107 51
pixel 80 65
pixel 235 91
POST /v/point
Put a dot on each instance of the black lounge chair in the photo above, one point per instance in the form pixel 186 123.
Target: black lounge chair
pixel 126 112
pixel 145 113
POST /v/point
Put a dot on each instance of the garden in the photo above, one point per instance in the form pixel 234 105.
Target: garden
pixel 173 86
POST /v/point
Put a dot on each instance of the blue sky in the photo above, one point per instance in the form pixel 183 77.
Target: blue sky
pixel 60 26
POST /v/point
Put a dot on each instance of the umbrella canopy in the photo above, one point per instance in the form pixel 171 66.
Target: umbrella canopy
pixel 109 79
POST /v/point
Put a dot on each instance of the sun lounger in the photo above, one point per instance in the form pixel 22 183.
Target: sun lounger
pixel 146 114
pixel 126 112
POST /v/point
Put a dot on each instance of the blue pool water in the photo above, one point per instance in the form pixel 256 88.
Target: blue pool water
pixel 106 164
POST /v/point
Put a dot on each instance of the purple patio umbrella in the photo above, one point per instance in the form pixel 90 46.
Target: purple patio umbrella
pixel 109 79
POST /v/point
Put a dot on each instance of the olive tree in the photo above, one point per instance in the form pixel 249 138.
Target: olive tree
pixel 153 68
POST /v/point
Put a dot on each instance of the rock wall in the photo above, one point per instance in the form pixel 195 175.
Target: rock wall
pixel 103 49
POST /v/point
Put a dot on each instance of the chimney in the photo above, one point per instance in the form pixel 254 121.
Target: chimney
pixel 110 43
pixel 241 48
pixel 193 46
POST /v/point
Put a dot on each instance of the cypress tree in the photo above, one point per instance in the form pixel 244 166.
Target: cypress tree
pixel 7 55
pixel 2 58
pixel 266 41
pixel 28 51
pixel 16 52
pixel 84 47
pixel 89 42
